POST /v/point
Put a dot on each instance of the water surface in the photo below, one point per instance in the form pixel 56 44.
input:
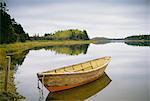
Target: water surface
pixel 129 70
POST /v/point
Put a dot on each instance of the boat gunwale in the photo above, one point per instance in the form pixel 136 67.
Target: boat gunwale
pixel 70 73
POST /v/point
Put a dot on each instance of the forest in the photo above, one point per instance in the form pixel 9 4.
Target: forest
pixel 10 30
pixel 138 37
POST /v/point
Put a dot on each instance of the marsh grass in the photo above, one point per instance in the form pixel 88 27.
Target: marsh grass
pixel 2 58
pixel 11 94
pixel 20 46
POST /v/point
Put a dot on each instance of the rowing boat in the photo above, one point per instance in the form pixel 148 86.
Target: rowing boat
pixel 74 75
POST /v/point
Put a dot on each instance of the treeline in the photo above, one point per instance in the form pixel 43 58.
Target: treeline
pixel 71 34
pixel 10 30
pixel 138 37
pixel 138 40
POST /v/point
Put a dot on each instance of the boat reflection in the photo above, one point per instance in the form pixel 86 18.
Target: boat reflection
pixel 81 92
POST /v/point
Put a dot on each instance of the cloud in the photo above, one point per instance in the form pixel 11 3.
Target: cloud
pixel 98 17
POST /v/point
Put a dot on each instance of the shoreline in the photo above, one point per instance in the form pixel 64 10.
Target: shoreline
pixel 23 46
pixel 19 47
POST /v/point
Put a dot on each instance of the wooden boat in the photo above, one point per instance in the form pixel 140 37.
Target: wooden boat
pixel 81 93
pixel 74 75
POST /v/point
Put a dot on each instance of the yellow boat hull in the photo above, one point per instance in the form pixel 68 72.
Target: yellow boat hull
pixel 58 80
pixel 83 92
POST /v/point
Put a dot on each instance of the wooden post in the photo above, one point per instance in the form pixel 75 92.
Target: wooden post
pixel 7 73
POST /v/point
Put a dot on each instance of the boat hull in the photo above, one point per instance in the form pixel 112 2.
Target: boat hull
pixel 82 92
pixel 60 82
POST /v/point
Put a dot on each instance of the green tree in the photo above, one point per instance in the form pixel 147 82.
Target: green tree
pixel 71 34
pixel 10 30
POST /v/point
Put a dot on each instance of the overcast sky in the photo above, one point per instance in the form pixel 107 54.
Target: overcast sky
pixel 103 18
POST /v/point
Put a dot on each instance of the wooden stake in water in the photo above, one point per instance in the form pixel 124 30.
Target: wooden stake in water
pixel 7 73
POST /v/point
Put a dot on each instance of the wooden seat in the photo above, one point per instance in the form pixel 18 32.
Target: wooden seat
pixel 80 70
pixel 100 62
pixel 69 69
pixel 87 64
pixel 77 67
pixel 88 68
pixel 60 70
pixel 94 64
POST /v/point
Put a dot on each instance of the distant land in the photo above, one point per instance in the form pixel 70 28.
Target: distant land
pixel 137 40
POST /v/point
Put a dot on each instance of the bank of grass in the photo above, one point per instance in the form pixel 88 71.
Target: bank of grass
pixel 19 46
pixel 11 49
pixel 2 58
pixel 11 94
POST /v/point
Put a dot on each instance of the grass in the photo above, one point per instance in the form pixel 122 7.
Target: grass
pixel 2 58
pixel 11 94
pixel 18 47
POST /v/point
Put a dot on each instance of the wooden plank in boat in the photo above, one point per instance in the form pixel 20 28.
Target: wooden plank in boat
pixel 60 70
pixel 94 64
pixel 86 64
pixel 69 69
pixel 100 62
pixel 77 67
pixel 88 68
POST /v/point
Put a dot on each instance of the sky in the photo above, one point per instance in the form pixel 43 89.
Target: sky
pixel 100 18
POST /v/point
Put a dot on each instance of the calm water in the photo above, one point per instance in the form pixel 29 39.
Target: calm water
pixel 127 79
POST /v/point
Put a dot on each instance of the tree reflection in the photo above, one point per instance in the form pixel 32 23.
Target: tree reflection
pixel 138 43
pixel 17 59
pixel 69 49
